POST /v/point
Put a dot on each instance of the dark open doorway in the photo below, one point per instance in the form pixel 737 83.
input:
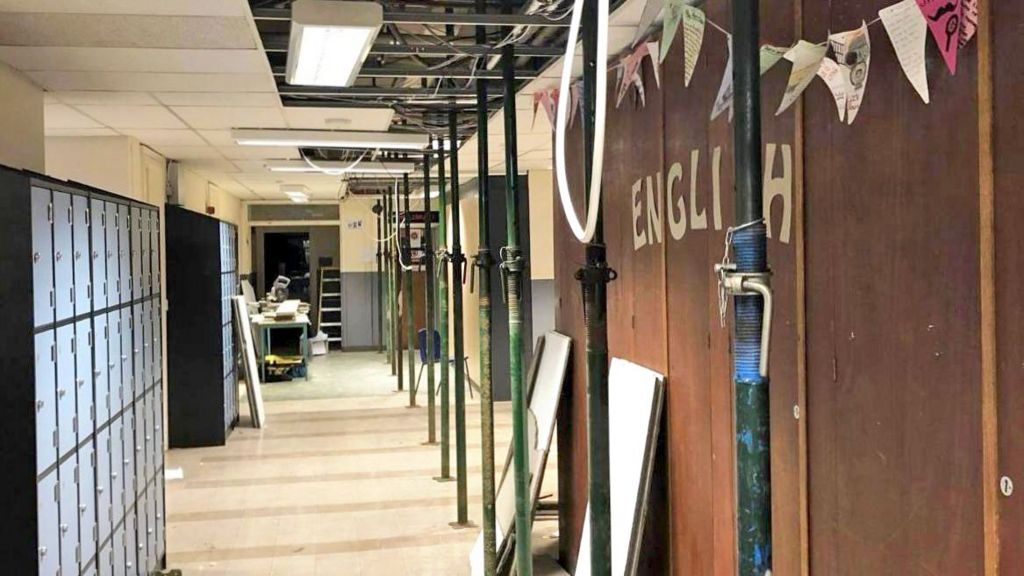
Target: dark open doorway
pixel 287 254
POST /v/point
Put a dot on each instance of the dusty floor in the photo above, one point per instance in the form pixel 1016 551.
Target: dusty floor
pixel 338 482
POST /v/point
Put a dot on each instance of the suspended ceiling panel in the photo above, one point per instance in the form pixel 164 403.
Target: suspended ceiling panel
pixel 148 7
pixel 373 119
pixel 188 152
pixel 28 58
pixel 220 99
pixel 152 82
pixel 79 132
pixel 60 116
pixel 259 152
pixel 216 118
pixel 125 31
pixel 133 116
pixel 166 137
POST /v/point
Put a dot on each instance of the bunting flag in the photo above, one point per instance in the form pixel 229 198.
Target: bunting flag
pixel 694 22
pixel 770 56
pixel 969 26
pixel 629 75
pixel 724 100
pixel 806 59
pixel 652 49
pixel 672 14
pixel 837 78
pixel 548 99
pixel 908 31
pixel 944 19
pixel 853 52
pixel 575 102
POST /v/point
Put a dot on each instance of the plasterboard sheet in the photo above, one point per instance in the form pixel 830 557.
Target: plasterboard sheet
pixel 168 137
pixel 152 81
pixel 79 132
pixel 550 365
pixel 220 118
pixel 635 396
pixel 152 7
pixel 33 58
pixel 221 99
pixel 61 116
pixel 252 372
pixel 105 98
pixel 141 117
pixel 126 31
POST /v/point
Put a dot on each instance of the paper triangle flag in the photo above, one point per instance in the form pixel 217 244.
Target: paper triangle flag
pixel 908 32
pixel 672 15
pixel 770 56
pixel 652 50
pixel 836 77
pixel 575 102
pixel 724 100
pixel 969 26
pixel 694 22
pixel 629 73
pixel 853 52
pixel 944 18
pixel 806 59
pixel 549 101
pixel 537 96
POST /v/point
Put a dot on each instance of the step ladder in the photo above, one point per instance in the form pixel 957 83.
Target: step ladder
pixel 329 309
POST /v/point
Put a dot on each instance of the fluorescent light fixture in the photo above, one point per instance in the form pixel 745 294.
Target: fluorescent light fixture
pixel 330 40
pixel 296 193
pixel 330 139
pixel 364 167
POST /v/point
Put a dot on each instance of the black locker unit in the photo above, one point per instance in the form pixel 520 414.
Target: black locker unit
pixel 82 374
pixel 202 276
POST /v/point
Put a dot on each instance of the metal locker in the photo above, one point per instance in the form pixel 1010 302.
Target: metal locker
pixel 46 400
pixel 147 344
pixel 104 519
pixel 141 541
pixel 130 547
pixel 86 481
pixel 158 430
pixel 113 264
pixel 154 249
pixel 137 347
pixel 98 253
pixel 90 570
pixel 140 446
pixel 151 528
pixel 158 363
pixel 82 254
pixel 114 362
pixel 116 472
pixel 68 516
pixel 48 506
pixel 127 377
pixel 147 259
pixel 161 544
pixel 117 547
pixel 128 458
pixel 84 379
pixel 67 434
pixel 42 256
pixel 63 256
pixel 136 229
pixel 124 252
pixel 105 559
pixel 150 434
pixel 101 369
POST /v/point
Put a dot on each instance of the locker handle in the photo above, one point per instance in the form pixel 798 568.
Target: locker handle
pixel 58 256
pixel 39 405
pixel 80 382
pixel 78 254
pixel 113 475
pixel 36 257
pixel 49 213
pixel 82 507
pixel 124 357
pixel 61 392
pixel 99 489
pixel 95 254
pixel 64 528
pixel 42 551
pixel 88 291
pixel 97 373
pixel 111 365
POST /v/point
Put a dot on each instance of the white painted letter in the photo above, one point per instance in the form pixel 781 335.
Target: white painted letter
pixel 716 185
pixel 698 221
pixel 676 227
pixel 654 222
pixel 639 238
pixel 782 187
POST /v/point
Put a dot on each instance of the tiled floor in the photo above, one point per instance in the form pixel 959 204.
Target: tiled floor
pixel 331 486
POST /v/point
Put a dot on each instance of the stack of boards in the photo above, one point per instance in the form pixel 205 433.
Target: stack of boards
pixel 252 369
pixel 636 396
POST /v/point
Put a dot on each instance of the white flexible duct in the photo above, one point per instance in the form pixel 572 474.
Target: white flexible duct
pixel 335 171
pixel 583 233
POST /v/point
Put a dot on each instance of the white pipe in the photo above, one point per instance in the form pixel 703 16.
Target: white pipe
pixel 583 233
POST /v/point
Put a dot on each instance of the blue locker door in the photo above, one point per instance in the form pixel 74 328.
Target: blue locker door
pixel 147 344
pixel 137 342
pixel 117 546
pixel 136 229
pixel 105 559
pixel 127 379
pixel 66 404
pixel 42 256
pixel 113 264
pixel 87 505
pixel 151 527
pixel 160 513
pixel 128 438
pixel 140 446
pixel 63 256
pixel 114 362
pixel 84 379
pixel 98 255
pixel 103 491
pixel 82 255
pixel 49 525
pixel 101 369
pixel 116 473
pixel 147 258
pixel 131 551
pixel 141 540
pixel 124 252
pixel 154 249
pixel 46 400
pixel 68 516
pixel 158 346
pixel 158 430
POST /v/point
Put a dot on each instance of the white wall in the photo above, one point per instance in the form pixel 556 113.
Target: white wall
pixel 111 163
pixel 21 121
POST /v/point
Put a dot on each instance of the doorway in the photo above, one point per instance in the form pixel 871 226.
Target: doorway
pixel 287 254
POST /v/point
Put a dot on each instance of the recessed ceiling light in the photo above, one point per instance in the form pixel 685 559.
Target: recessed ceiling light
pixel 296 193
pixel 330 40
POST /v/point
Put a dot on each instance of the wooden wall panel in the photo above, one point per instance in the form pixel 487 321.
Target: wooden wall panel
pixel 1007 43
pixel 893 326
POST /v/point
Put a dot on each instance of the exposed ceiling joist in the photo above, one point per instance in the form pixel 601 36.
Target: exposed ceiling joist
pixel 380 91
pixel 442 18
pixel 279 43
pixel 412 72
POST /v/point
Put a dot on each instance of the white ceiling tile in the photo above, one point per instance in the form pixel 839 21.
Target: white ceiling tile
pixel 166 137
pixel 105 98
pixel 374 119
pixel 213 118
pixel 222 99
pixel 152 81
pixel 58 116
pixel 28 59
pixel 188 152
pixel 259 152
pixel 153 7
pixel 133 116
pixel 126 31
pixel 214 168
pixel 78 132
pixel 217 137
pixel 252 166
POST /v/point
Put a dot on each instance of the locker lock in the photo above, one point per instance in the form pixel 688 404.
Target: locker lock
pixel 39 405
pixel 42 551
pixel 61 392
pixel 58 256
pixel 80 382
pixel 64 528
pixel 82 508
pixel 35 258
